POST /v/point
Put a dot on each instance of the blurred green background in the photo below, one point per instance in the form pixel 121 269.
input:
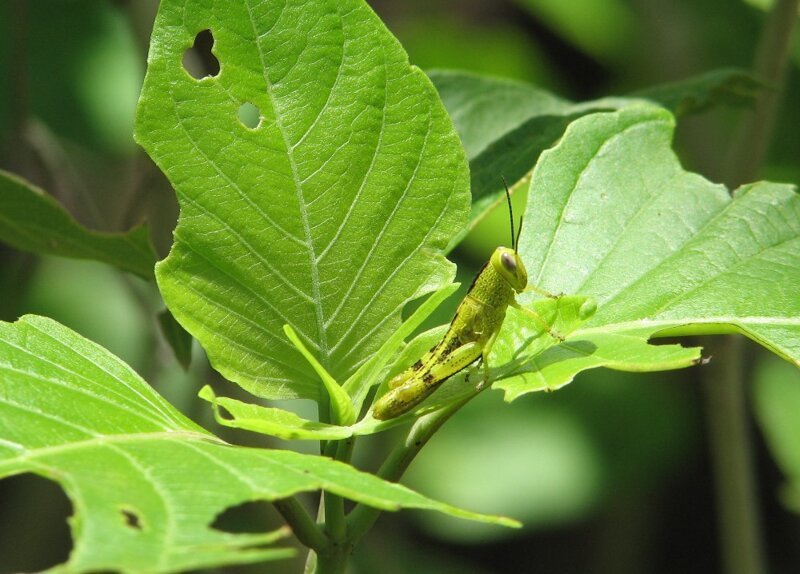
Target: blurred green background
pixel 610 475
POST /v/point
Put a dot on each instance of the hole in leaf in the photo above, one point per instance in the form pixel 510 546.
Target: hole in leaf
pixel 132 519
pixel 198 60
pixel 249 115
pixel 33 522
pixel 250 517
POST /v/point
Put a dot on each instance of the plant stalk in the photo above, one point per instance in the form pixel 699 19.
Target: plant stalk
pixel 335 526
pixel 303 526
pixel 770 62
pixel 741 536
pixel 738 519
pixel 333 556
pixel 361 519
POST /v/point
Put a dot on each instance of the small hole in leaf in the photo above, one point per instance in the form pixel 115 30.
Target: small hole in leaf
pixel 249 115
pixel 34 522
pixel 198 60
pixel 131 518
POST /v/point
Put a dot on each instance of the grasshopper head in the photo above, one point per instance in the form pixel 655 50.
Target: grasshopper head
pixel 508 264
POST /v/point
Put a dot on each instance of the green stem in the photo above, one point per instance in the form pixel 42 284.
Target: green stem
pixel 332 559
pixel 334 504
pixel 361 519
pixel 303 526
pixel 731 453
pixel 730 441
pixel 772 55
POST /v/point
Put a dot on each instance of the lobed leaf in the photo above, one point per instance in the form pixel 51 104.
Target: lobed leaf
pixel 329 215
pixel 664 252
pixel 145 481
pixel 31 220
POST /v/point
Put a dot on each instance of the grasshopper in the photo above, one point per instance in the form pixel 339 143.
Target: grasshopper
pixel 472 331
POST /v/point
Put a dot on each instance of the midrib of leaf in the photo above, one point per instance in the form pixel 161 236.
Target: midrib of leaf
pixel 322 342
pixel 102 440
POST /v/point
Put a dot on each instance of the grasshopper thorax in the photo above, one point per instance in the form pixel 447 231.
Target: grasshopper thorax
pixel 508 264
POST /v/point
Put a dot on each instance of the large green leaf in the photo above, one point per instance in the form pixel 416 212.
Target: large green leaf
pixel 329 216
pixel 145 481
pixel 612 215
pixel 31 220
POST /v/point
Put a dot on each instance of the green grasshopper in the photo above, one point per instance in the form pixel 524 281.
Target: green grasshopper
pixel 472 331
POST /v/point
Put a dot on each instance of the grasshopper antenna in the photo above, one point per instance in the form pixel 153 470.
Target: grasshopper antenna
pixel 510 214
pixel 519 232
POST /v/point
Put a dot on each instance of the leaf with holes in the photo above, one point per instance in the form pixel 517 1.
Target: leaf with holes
pixel 31 220
pixel 146 482
pixel 612 215
pixel 329 215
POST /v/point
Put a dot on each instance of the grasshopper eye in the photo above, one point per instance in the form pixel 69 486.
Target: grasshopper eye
pixel 508 262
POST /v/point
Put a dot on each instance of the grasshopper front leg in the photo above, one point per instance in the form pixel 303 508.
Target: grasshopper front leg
pixel 540 291
pixel 539 320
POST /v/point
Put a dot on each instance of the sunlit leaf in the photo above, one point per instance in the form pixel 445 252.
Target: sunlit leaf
pixel 329 215
pixel 664 252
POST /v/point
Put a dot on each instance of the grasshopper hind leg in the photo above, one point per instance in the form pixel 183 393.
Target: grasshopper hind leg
pixel 399 379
